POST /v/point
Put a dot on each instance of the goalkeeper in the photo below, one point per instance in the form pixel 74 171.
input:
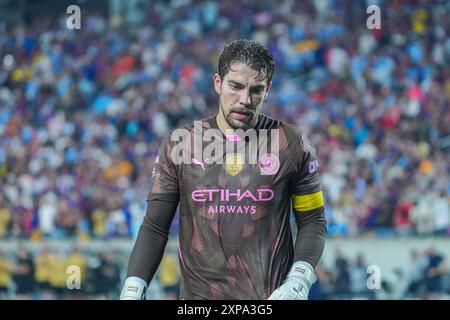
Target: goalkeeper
pixel 235 238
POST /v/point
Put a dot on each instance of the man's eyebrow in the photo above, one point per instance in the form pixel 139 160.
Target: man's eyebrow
pixel 235 82
pixel 256 86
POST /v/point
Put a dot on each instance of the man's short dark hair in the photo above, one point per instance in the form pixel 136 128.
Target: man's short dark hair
pixel 250 52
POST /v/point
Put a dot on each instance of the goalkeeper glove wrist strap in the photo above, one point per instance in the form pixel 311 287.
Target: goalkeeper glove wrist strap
pixel 303 270
pixel 297 284
pixel 133 289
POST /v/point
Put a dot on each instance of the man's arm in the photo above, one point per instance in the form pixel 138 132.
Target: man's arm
pixel 308 208
pixel 153 234
pixel 312 233
pixel 307 252
pixel 149 247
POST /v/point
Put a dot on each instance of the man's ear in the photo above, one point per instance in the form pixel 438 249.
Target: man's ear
pixel 217 82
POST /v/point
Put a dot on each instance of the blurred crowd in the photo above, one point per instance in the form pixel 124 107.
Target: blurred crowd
pixel 47 273
pixel 425 276
pixel 50 273
pixel 82 112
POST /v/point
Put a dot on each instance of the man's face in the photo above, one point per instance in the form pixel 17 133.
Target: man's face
pixel 241 95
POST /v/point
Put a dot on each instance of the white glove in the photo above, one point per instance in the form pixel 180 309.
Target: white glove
pixel 297 283
pixel 134 289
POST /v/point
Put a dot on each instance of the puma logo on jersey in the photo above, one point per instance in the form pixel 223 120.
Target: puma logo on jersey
pixel 195 161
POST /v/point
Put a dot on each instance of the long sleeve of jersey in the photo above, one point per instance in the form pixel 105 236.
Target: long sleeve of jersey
pixel 162 203
pixel 308 206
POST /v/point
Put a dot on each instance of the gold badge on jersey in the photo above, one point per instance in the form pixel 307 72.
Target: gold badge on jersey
pixel 234 163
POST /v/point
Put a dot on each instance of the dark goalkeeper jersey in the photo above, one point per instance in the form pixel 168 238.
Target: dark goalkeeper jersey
pixel 235 237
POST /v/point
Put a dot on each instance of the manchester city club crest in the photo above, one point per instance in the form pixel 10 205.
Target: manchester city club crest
pixel 269 164
pixel 234 163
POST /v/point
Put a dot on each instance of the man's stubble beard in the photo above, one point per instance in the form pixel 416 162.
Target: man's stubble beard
pixel 236 124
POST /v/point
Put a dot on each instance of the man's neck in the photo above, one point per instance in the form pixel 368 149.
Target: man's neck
pixel 222 123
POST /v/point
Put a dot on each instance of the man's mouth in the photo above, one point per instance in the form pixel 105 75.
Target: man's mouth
pixel 241 115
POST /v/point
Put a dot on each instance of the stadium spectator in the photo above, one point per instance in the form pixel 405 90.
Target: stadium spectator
pixel 5 276
pixel 23 272
pixel 341 275
pixel 321 289
pixel 43 263
pixel 107 276
pixel 169 276
pixel 441 215
pixel 434 274
pixel 5 217
pixel 416 269
pixel 358 279
pixel 58 276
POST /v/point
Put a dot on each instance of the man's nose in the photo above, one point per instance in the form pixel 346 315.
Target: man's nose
pixel 246 98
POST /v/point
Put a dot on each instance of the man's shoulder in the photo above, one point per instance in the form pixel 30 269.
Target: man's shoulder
pixel 297 136
pixel 267 122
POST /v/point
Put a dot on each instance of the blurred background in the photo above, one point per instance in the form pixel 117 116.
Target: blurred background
pixel 82 113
